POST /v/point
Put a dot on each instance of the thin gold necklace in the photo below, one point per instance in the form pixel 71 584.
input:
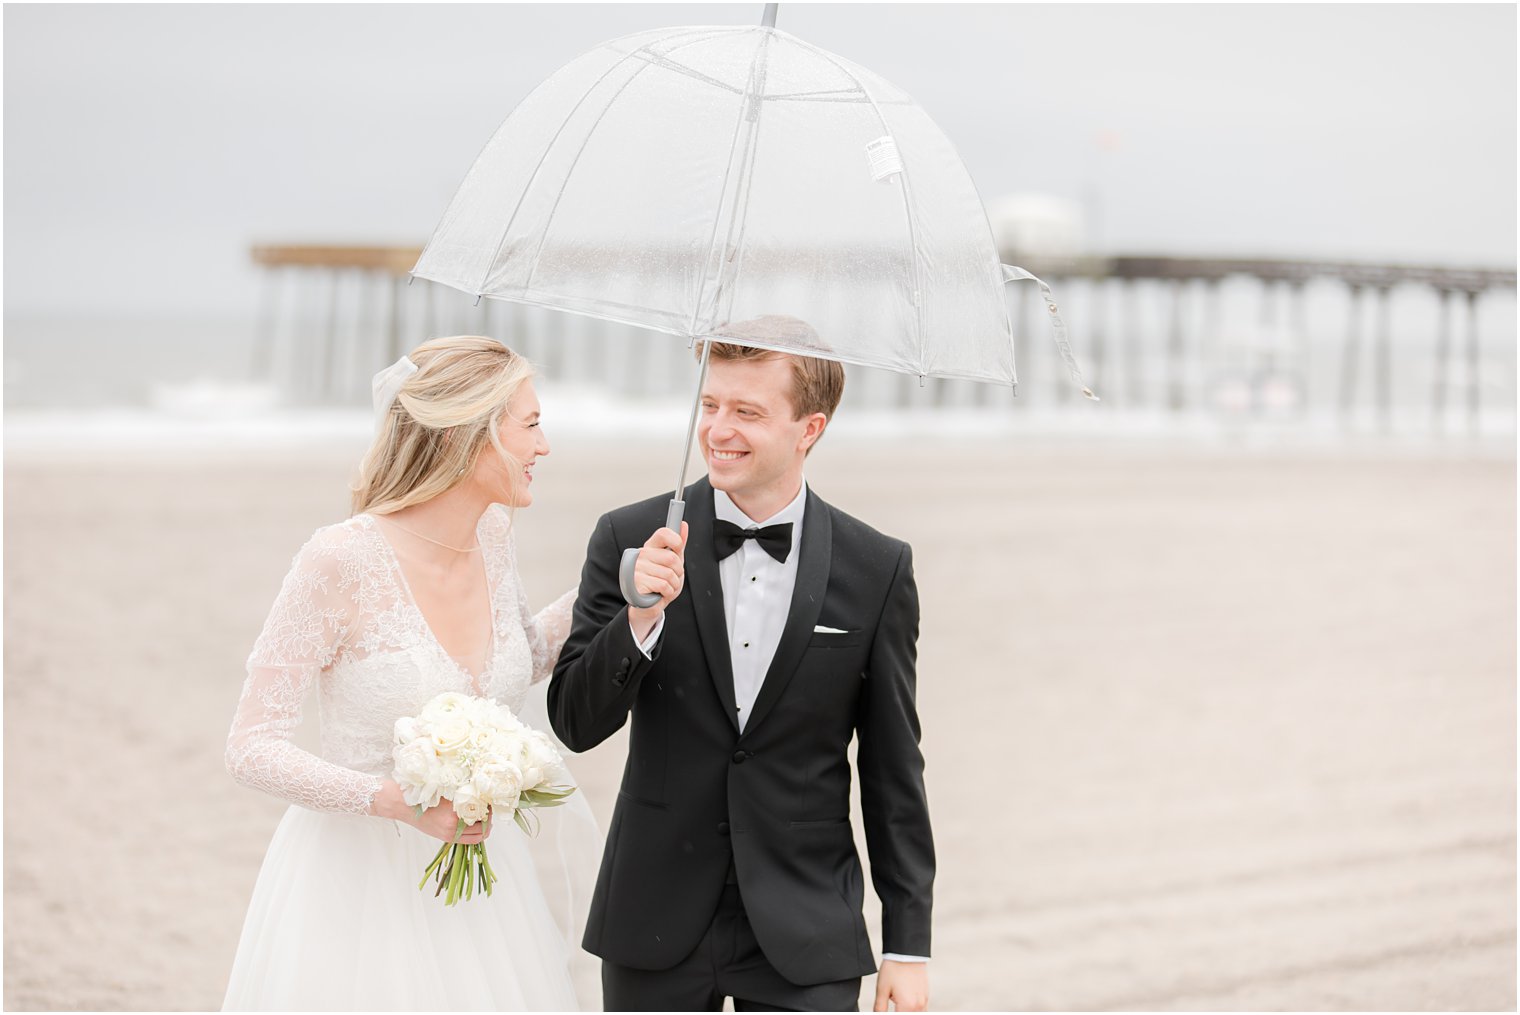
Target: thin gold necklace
pixel 430 539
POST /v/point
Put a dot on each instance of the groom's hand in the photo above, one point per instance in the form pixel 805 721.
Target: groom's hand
pixel 905 984
pixel 661 570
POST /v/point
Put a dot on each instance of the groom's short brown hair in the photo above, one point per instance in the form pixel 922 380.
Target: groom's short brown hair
pixel 817 384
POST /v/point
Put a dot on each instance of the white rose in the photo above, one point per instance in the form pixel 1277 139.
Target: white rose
pixel 501 718
pixel 450 777
pixel 446 705
pixel 450 734
pixel 417 771
pixel 511 746
pixel 532 771
pixel 490 741
pixel 408 729
pixel 469 804
pixel 545 761
pixel 500 782
pixel 484 740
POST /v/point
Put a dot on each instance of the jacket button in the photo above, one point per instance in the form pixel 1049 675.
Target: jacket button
pixel 739 757
pixel 624 663
pixel 723 828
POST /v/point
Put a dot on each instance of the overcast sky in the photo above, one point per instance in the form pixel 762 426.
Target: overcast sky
pixel 147 147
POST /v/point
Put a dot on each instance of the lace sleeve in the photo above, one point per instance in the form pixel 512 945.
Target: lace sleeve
pixel 300 639
pixel 547 629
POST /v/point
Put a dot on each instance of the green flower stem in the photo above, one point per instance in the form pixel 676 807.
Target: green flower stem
pixel 461 870
pixel 437 859
pixel 488 876
pixel 446 872
pixel 461 865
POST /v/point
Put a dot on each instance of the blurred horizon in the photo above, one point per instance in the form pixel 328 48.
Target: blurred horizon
pixel 149 147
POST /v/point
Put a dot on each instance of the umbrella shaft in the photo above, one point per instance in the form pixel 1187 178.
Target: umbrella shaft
pixel 691 427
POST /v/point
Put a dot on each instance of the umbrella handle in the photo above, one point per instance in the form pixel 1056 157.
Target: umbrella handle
pixel 631 593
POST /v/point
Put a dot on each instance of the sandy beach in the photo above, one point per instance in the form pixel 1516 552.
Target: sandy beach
pixel 1204 730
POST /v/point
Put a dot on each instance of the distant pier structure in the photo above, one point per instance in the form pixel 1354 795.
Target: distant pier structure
pixel 1362 347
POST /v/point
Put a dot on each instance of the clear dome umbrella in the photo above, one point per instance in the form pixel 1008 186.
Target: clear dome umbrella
pixel 684 180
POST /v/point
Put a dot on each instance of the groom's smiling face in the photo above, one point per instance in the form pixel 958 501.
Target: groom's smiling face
pixel 752 442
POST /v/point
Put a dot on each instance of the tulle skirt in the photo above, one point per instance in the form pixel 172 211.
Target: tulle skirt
pixel 337 923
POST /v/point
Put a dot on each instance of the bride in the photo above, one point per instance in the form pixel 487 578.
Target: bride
pixel 416 594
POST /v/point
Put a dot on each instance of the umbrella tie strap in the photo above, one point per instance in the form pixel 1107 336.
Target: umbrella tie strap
pixel 1012 273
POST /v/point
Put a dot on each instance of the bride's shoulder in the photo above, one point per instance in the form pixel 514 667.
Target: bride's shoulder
pixel 331 546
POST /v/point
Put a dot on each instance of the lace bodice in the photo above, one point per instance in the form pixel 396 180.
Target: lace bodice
pixel 345 621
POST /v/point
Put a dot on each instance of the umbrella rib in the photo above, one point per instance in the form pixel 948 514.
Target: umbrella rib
pixel 543 236
pixel 746 180
pixel 598 301
pixel 712 238
pixel 543 157
pixel 555 301
pixel 918 302
pixel 807 95
pixel 841 100
pixel 660 60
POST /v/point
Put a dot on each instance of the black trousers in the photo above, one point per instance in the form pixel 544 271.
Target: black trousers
pixel 727 962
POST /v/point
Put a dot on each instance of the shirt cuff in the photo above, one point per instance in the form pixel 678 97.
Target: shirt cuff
pixel 647 645
pixel 894 957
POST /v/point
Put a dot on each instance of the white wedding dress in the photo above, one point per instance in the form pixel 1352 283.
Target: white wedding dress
pixel 337 921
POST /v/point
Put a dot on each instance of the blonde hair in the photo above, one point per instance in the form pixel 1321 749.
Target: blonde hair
pixel 442 418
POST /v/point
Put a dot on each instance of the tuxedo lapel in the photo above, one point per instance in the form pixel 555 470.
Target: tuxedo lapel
pixel 705 590
pixel 817 552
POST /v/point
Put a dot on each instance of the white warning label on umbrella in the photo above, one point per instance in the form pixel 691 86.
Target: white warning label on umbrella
pixel 884 159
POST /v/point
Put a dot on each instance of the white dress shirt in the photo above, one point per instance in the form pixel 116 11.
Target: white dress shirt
pixel 757 599
pixel 757 596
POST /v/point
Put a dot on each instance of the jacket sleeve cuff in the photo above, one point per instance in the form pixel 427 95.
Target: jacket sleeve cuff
pixel 648 644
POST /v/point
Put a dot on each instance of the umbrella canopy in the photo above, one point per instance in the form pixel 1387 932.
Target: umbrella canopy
pixel 686 178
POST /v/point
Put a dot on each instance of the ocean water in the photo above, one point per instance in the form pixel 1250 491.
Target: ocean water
pixel 1246 364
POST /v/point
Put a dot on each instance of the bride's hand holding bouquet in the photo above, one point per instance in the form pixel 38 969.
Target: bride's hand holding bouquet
pixel 458 762
pixel 440 821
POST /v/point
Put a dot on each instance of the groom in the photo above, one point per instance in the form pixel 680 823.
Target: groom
pixel 785 628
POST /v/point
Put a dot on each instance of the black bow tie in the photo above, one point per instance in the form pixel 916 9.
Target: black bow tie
pixel 775 540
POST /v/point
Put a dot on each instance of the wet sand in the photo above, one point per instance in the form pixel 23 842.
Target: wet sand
pixel 1204 729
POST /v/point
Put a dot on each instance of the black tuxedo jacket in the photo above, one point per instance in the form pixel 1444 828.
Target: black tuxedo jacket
pixel 776 797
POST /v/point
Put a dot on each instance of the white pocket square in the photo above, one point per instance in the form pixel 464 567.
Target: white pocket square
pixel 820 629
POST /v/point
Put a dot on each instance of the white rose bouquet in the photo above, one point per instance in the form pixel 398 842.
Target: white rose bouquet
pixel 476 754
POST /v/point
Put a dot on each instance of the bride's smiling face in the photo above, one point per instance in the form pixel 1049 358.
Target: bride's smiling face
pixel 522 437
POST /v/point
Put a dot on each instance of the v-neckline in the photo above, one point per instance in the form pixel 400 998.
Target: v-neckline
pixel 490 654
